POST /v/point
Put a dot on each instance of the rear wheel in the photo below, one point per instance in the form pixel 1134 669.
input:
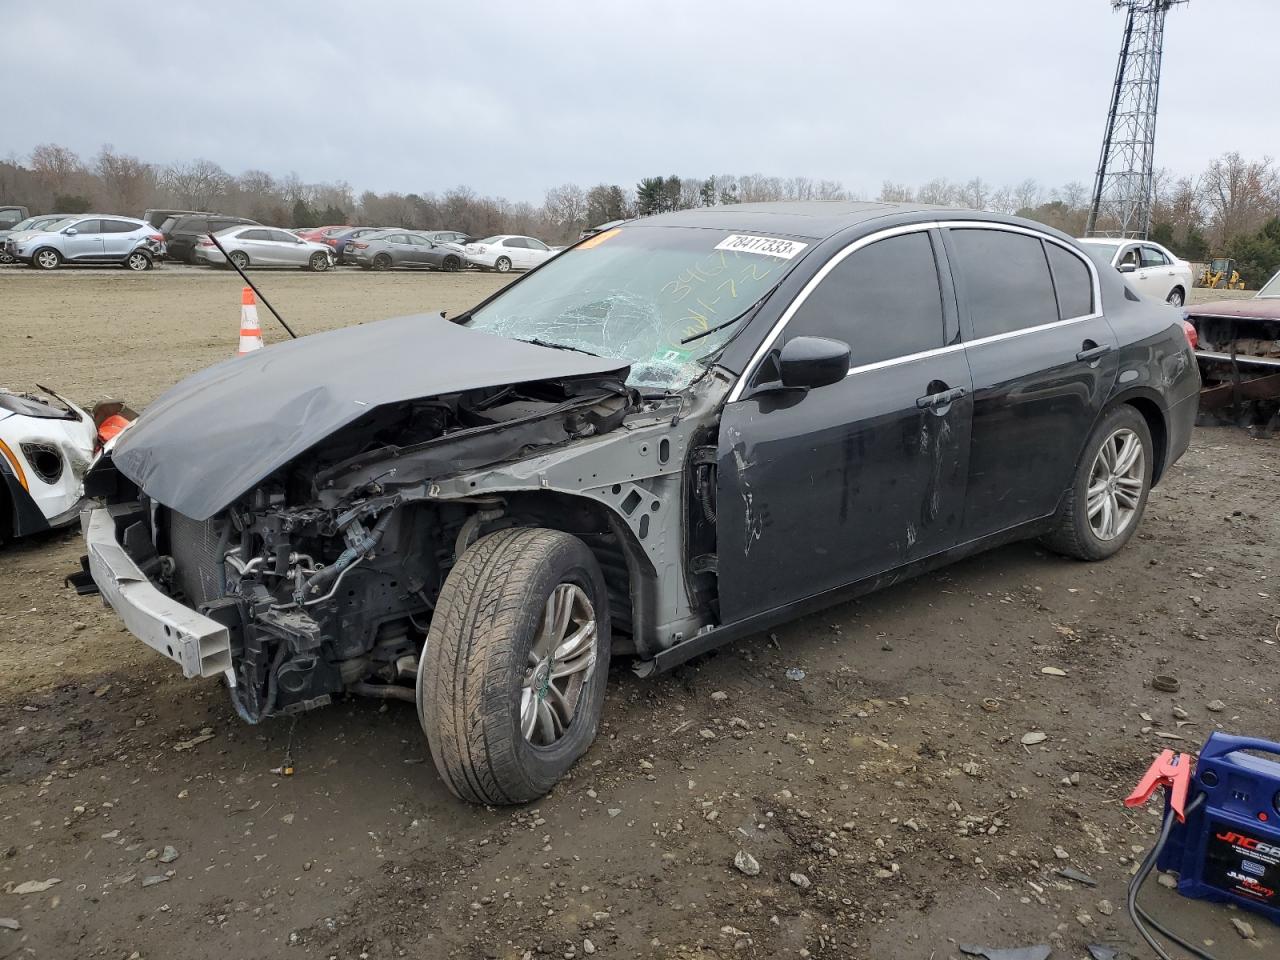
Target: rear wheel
pixel 138 261
pixel 382 262
pixel 240 259
pixel 1108 495
pixel 502 265
pixel 512 680
pixel 1176 297
pixel 318 263
pixel 46 258
pixel 452 264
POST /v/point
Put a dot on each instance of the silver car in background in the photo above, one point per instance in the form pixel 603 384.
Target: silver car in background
pixel 255 246
pixel 45 221
pixel 89 238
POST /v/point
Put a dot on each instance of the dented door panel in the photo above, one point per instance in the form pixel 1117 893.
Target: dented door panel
pixel 822 489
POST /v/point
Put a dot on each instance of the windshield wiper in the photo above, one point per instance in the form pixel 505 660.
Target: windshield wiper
pixel 749 311
pixel 555 346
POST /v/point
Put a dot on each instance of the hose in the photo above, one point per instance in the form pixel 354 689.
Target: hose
pixel 272 692
pixel 1141 919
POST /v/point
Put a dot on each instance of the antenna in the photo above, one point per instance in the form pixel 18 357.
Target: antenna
pixel 1123 187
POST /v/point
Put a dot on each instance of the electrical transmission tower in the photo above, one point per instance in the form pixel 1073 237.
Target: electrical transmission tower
pixel 1122 190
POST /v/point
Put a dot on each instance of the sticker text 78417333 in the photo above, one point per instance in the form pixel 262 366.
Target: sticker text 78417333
pixel 765 246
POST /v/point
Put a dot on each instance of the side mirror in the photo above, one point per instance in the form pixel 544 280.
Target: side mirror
pixel 810 362
pixel 71 231
pixel 1127 268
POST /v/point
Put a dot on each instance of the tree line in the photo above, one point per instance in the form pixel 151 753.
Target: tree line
pixel 1232 208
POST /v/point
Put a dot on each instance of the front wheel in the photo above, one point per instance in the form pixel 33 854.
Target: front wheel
pixel 1108 494
pixel 47 259
pixel 318 263
pixel 6 257
pixel 511 684
pixel 382 262
pixel 502 265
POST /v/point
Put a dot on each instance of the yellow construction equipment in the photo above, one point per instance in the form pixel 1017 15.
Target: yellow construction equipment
pixel 1221 274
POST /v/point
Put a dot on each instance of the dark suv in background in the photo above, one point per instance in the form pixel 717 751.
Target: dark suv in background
pixel 181 234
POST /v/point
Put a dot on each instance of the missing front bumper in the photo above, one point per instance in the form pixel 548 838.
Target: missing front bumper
pixel 201 646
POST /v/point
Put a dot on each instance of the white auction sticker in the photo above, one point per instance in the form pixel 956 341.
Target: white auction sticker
pixel 766 246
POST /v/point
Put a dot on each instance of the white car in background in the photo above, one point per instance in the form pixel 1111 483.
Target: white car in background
pixel 1151 269
pixel 46 445
pixel 506 252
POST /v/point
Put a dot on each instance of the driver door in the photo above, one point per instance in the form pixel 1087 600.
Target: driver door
pixel 822 488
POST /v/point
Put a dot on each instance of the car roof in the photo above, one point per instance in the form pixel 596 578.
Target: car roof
pixel 813 219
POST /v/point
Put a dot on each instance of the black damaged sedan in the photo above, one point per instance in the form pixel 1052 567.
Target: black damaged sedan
pixel 680 431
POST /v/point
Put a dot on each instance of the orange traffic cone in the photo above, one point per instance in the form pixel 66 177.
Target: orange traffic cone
pixel 250 329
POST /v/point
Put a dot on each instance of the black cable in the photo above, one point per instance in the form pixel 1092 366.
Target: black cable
pixel 1141 919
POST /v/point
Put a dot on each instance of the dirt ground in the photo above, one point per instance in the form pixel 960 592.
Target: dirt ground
pixel 887 796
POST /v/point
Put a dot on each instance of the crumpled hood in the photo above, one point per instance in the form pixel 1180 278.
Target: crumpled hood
pixel 219 433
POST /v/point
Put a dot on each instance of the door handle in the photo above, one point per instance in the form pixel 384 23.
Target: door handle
pixel 932 401
pixel 1090 351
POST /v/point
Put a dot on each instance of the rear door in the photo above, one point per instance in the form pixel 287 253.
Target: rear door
pixel 820 489
pixel 85 243
pixel 539 252
pixel 1043 359
pixel 118 238
pixel 255 244
pixel 517 251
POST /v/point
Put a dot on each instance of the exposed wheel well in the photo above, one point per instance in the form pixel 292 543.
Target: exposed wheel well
pixel 6 515
pixel 627 571
pixel 1152 413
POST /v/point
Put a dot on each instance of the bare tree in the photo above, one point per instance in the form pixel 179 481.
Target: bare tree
pixel 1239 195
pixel 128 184
pixel 891 192
pixel 57 168
pixel 939 190
pixel 566 208
pixel 198 184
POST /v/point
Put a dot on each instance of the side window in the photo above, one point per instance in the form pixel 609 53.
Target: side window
pixel 1130 257
pixel 280 236
pixel 1073 282
pixel 1004 278
pixel 517 242
pixel 117 226
pixel 1151 257
pixel 251 235
pixel 195 225
pixel 883 300
pixel 88 226
pixel 536 244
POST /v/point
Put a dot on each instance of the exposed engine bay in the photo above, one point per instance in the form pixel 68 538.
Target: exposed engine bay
pixel 326 574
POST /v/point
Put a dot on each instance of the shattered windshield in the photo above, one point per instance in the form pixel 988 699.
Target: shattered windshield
pixel 639 294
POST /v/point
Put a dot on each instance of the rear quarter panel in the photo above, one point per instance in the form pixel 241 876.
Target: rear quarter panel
pixel 1156 365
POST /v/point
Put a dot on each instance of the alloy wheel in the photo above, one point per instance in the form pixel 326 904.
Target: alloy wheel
pixel 1115 484
pixel 560 664
pixel 47 259
pixel 138 261
pixel 1175 298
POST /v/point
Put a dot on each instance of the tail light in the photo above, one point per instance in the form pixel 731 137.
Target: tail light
pixel 1193 335
pixel 157 237
pixel 204 242
pixel 331 241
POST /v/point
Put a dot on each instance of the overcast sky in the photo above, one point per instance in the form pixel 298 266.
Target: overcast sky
pixel 514 96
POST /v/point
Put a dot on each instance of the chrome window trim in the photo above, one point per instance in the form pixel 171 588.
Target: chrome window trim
pixel 767 344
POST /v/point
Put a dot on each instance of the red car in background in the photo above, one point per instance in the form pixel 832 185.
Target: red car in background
pixel 320 234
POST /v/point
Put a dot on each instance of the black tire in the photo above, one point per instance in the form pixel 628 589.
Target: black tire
pixel 1176 297
pixel 318 263
pixel 239 258
pixel 1074 534
pixel 138 261
pixel 452 264
pixel 502 264
pixel 6 257
pixel 46 258
pixel 382 262
pixel 476 665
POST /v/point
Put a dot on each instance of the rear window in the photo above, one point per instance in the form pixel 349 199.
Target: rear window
pixel 1073 282
pixel 119 226
pixel 192 225
pixel 1005 280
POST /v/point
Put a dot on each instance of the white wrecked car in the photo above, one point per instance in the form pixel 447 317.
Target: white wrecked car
pixel 46 446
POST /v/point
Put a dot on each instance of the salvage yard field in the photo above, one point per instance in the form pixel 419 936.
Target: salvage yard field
pixel 887 795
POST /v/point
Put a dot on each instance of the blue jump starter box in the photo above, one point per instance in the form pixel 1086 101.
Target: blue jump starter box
pixel 1229 847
